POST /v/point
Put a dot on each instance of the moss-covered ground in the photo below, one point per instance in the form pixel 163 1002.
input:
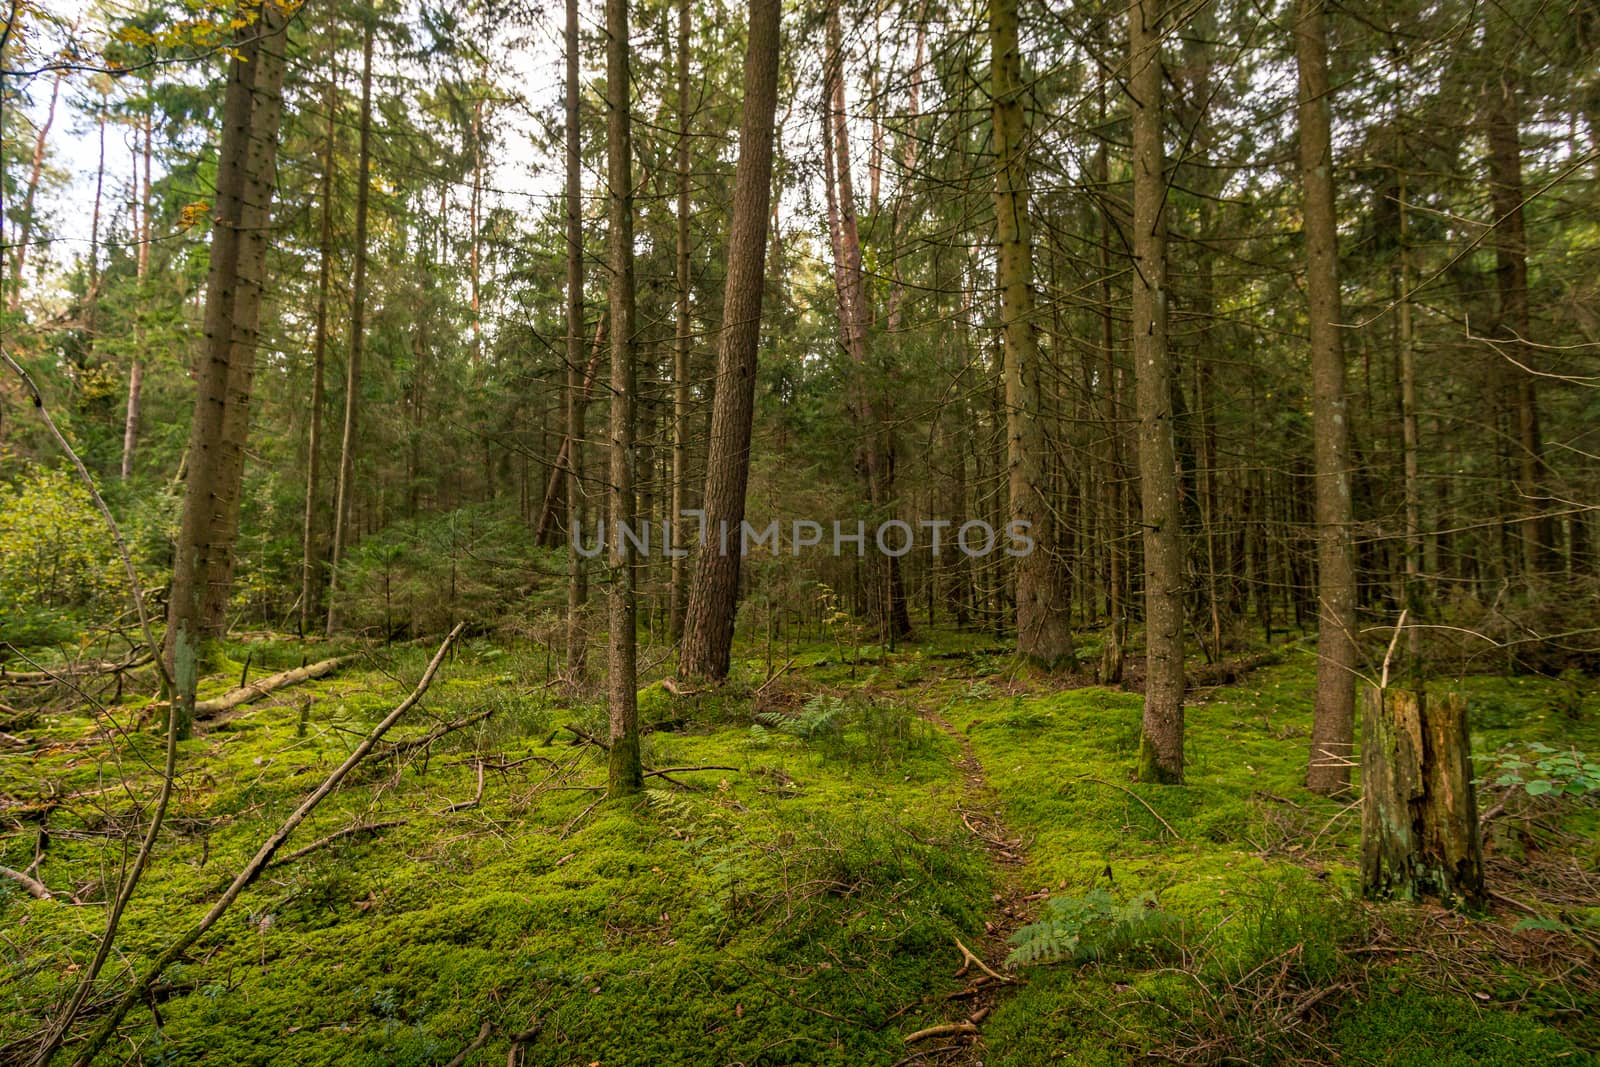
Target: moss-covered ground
pixel 798 901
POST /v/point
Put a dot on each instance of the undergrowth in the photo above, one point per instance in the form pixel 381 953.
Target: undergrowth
pixel 798 900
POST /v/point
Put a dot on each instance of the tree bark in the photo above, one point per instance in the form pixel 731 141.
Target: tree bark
pixel 345 492
pixel 130 423
pixel 626 774
pixel 678 598
pixel 1419 815
pixel 208 463
pixel 577 390
pixel 1161 747
pixel 255 235
pixel 1333 723
pixel 713 596
pixel 876 451
pixel 310 557
pixel 1044 634
pixel 1514 325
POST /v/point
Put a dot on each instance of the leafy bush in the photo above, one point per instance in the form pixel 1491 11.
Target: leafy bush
pixel 1543 770
pixel 57 561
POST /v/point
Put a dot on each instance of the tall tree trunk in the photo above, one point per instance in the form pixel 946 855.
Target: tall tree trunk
pixel 250 87
pixel 626 775
pixel 1044 633
pixel 577 391
pixel 310 557
pixel 680 349
pixel 130 423
pixel 713 596
pixel 1511 284
pixel 345 492
pixel 92 297
pixel 1161 748
pixel 1333 723
pixel 1412 598
pixel 255 235
pixel 876 455
pixel 24 233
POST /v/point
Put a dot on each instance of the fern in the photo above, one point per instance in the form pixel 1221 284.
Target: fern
pixel 1091 927
pixel 821 715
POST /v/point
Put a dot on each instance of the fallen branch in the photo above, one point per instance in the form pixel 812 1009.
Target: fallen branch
pixel 775 676
pixel 585 737
pixel 259 862
pixel 942 1030
pixel 971 959
pixel 337 835
pixel 477 797
pixel 9 677
pixel 1136 796
pixel 520 1039
pixel 408 746
pixel 483 1035
pixel 34 887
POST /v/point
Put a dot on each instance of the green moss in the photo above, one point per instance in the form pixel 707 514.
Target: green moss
pixel 798 908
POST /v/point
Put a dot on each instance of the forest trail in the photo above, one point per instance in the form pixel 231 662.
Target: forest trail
pixel 978 807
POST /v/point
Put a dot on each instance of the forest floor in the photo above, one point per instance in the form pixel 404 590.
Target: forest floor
pixel 797 886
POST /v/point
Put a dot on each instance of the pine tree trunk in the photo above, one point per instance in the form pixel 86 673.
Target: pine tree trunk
pixel 681 341
pixel 714 593
pixel 310 557
pixel 254 239
pixel 197 544
pixel 626 775
pixel 577 391
pixel 1511 284
pixel 1161 747
pixel 130 424
pixel 1044 633
pixel 876 454
pixel 344 494
pixel 1333 723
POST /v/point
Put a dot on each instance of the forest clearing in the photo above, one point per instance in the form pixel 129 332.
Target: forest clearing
pixel 651 533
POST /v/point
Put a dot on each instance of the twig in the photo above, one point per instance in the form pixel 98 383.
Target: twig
pixel 586 737
pixel 1399 627
pixel 971 959
pixel 323 842
pixel 258 863
pixel 567 829
pixel 664 771
pixel 942 1030
pixel 762 688
pixel 915 1056
pixel 1137 797
pixel 478 1042
pixel 520 1039
pixel 477 797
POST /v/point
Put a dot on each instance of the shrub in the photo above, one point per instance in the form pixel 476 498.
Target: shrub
pixel 57 560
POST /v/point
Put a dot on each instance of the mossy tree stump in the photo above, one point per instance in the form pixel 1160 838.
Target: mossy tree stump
pixel 1419 814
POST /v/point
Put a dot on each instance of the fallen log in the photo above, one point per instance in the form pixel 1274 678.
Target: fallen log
pixel 249 694
pixel 75 670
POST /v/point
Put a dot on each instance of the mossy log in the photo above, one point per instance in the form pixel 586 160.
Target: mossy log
pixel 1419 819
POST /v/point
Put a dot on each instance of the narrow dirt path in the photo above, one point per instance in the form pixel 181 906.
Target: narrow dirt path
pixel 983 965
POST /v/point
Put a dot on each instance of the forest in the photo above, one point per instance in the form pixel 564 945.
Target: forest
pixel 643 532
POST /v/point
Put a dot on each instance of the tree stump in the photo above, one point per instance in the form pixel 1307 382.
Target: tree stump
pixel 1419 813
